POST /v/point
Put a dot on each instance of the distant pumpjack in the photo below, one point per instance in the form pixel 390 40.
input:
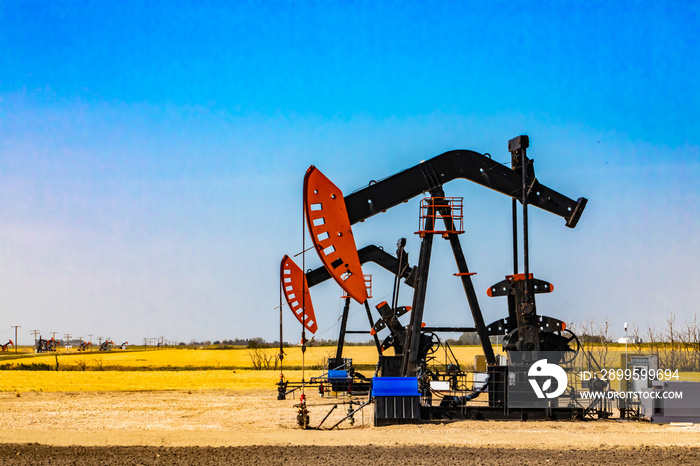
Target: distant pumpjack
pixel 106 345
pixel 43 346
pixel 84 346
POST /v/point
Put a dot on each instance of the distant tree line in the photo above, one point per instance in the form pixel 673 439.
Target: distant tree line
pixel 677 346
pixel 259 342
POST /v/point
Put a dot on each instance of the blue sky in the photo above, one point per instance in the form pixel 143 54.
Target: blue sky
pixel 152 154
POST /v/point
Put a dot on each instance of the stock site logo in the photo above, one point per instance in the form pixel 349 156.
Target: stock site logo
pixel 542 369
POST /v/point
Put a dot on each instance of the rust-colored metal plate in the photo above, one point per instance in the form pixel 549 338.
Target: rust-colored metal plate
pixel 296 292
pixel 329 226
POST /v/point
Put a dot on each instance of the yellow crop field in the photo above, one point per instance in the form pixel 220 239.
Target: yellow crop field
pixel 194 369
pixel 191 359
pixel 71 381
pixel 161 359
pixel 186 358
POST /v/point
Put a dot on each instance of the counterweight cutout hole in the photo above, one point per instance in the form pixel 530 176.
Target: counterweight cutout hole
pixel 337 263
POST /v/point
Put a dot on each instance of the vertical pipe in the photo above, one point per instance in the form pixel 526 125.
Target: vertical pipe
pixel 526 259
pixel 303 296
pixel 397 279
pixel 281 337
pixel 515 236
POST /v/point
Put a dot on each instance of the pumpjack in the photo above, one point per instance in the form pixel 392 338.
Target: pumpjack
pixel 85 345
pixel 403 386
pixel 106 345
pixel 44 346
pixel 9 343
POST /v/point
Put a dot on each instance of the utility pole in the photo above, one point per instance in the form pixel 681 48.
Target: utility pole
pixel 36 332
pixel 90 340
pixel 53 334
pixel 68 337
pixel 15 327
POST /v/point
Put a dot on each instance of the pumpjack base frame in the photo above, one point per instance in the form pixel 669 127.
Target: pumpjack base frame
pixel 491 404
pixel 404 413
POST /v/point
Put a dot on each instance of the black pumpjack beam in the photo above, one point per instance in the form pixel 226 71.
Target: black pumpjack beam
pixel 473 166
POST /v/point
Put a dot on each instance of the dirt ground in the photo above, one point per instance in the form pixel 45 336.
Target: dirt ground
pixel 253 427
pixel 329 455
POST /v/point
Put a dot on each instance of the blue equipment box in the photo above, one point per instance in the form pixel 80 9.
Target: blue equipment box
pixel 395 386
